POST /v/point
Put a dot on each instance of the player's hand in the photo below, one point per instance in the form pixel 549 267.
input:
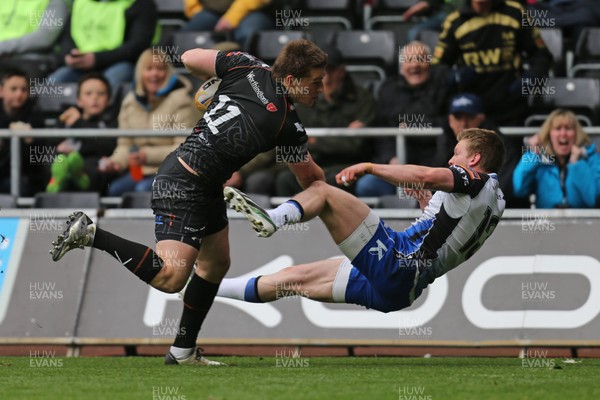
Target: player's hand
pixel 351 174
pixel 223 25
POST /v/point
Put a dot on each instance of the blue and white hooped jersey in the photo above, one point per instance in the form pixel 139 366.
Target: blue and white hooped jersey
pixel 455 225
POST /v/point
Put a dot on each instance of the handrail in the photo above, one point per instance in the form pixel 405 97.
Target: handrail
pixel 399 133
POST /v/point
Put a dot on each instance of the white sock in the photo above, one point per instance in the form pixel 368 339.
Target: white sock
pixel 233 288
pixel 286 213
pixel 181 353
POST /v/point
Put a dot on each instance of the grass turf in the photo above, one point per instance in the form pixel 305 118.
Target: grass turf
pixel 267 378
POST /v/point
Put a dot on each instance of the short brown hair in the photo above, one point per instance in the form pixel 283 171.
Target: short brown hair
pixel 297 58
pixel 488 144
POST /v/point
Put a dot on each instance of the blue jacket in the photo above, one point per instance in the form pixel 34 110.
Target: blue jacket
pixel 538 174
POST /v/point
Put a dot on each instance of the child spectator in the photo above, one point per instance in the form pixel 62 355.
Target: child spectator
pixel 76 166
pixel 161 101
pixel 560 165
pixel 16 112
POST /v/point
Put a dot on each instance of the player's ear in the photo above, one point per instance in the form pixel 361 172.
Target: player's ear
pixel 474 159
pixel 288 80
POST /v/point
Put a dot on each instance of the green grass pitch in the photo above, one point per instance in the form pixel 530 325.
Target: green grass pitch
pixel 267 378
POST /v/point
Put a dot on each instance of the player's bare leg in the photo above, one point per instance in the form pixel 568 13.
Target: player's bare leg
pixel 314 280
pixel 177 263
pixel 341 212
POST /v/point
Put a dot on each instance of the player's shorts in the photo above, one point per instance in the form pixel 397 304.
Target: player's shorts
pixel 186 207
pixel 383 277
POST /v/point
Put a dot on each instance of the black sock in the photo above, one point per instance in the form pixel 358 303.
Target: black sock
pixel 197 300
pixel 141 260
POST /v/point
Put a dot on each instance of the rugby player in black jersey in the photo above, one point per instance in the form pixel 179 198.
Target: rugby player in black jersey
pixel 251 112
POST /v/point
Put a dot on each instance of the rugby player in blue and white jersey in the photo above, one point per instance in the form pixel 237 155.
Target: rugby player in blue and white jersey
pixel 385 270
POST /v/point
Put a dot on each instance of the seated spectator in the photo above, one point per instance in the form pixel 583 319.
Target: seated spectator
pixel 466 111
pixel 416 99
pixel 342 104
pixel 438 10
pixel 106 36
pixel 240 18
pixel 489 56
pixel 76 166
pixel 560 165
pixel 30 26
pixel 18 112
pixel 160 101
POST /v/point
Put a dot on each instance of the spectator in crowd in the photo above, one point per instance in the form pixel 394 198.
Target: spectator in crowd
pixel 438 10
pixel 30 26
pixel 240 18
pixel 76 166
pixel 489 56
pixel 160 101
pixel 18 112
pixel 343 104
pixel 106 36
pixel 466 111
pixel 417 99
pixel 560 165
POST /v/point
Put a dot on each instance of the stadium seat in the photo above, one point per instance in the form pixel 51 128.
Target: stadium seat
pixel 553 38
pixel 266 45
pixel 400 29
pixel 7 201
pixel 396 6
pixel 581 95
pixel 429 37
pixel 329 14
pixel 35 65
pixel 368 54
pixel 136 200
pixel 387 15
pixel 67 200
pixel 169 6
pixel 119 94
pixel 587 54
pixel 52 99
pixel 170 19
pixel 394 201
pixel 184 41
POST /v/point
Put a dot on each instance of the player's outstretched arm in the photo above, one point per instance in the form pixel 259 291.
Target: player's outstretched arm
pixel 200 62
pixel 430 178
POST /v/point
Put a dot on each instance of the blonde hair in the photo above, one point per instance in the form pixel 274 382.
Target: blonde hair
pixel 148 57
pixel 488 144
pixel 581 138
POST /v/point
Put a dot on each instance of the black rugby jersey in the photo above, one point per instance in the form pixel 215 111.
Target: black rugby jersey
pixel 249 114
